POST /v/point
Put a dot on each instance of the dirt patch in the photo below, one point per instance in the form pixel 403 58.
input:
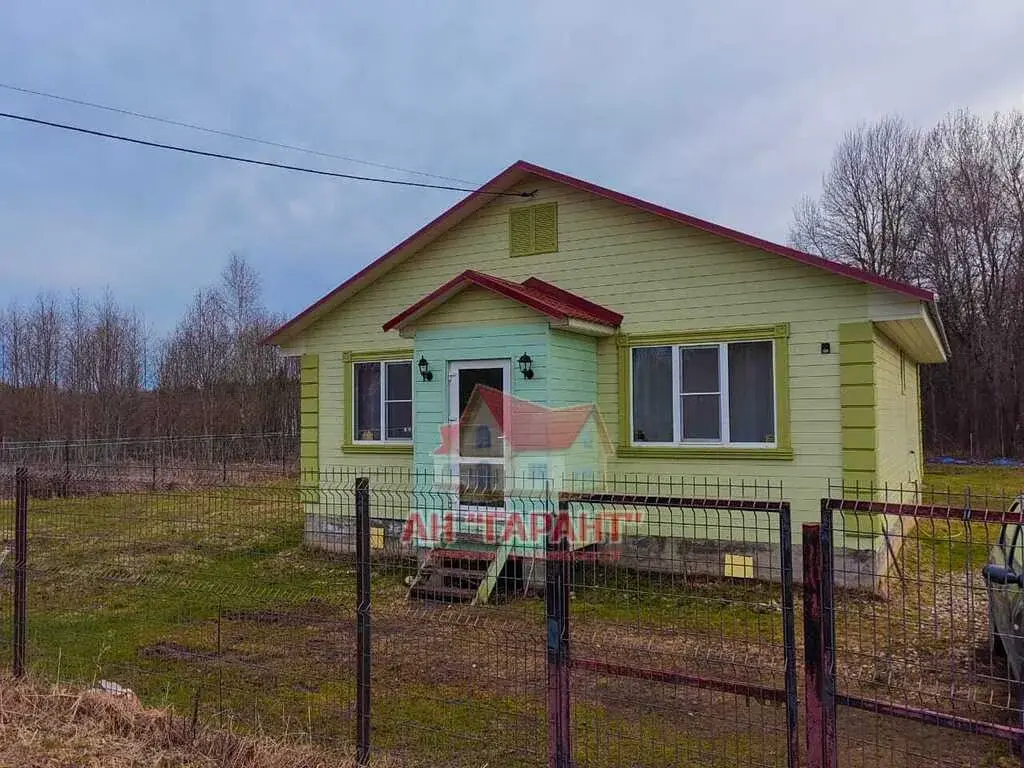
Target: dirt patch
pixel 171 651
pixel 436 658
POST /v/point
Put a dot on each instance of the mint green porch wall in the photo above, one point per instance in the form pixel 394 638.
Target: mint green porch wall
pixel 453 343
pixel 573 375
pixel 574 382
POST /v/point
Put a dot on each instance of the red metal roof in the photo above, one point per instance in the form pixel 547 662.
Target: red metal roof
pixel 536 294
pixel 531 427
pixel 516 173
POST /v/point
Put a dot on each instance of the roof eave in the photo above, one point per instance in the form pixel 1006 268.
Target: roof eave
pixel 584 327
pixel 932 308
pixel 520 170
pixel 449 218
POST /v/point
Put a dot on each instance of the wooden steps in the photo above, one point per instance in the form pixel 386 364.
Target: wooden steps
pixel 493 573
pixel 452 575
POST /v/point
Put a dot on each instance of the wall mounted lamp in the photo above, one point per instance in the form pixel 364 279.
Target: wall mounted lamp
pixel 425 371
pixel 526 366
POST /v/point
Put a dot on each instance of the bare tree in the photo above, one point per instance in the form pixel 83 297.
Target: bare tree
pixel 946 209
pixel 865 213
pixel 75 368
pixel 14 338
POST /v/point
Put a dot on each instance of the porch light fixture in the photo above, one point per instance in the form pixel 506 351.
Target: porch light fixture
pixel 526 366
pixel 425 371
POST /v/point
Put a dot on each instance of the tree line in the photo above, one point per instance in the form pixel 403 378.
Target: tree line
pixel 942 207
pixel 71 368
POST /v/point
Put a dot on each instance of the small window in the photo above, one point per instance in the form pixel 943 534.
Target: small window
pixel 722 394
pixel 652 395
pixel 751 392
pixel 701 395
pixel 382 401
pixel 533 229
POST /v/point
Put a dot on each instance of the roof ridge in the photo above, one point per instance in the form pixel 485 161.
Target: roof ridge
pixel 515 173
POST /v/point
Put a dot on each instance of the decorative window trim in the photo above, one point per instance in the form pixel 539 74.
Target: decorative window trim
pixel 531 211
pixel 782 450
pixel 348 361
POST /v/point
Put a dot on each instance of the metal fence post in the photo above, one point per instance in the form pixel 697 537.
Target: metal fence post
pixel 819 708
pixel 20 569
pixel 789 636
pixel 224 460
pixel 363 648
pixel 557 579
pixel 66 487
pixel 813 716
pixel 828 638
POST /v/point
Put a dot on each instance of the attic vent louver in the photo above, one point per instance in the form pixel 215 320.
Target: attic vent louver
pixel 533 229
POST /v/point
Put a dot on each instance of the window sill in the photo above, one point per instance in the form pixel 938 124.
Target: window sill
pixel 381 447
pixel 702 452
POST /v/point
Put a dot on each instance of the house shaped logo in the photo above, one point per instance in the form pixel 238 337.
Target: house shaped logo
pixel 502 444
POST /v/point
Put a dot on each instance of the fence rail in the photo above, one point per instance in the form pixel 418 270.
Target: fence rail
pixel 932 658
pixel 270 448
pixel 330 609
pixel 60 467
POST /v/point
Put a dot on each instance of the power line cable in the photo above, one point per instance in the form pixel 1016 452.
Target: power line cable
pixel 253 161
pixel 228 134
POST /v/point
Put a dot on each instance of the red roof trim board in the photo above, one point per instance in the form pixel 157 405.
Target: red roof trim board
pixel 519 170
pixel 536 294
pixel 732 234
pixel 583 304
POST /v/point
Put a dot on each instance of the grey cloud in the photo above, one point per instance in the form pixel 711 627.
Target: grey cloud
pixel 728 110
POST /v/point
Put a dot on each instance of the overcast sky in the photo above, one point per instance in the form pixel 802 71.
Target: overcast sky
pixel 729 111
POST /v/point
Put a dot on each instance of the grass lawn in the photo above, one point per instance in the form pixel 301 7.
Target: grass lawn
pixel 996 482
pixel 207 602
pixel 954 546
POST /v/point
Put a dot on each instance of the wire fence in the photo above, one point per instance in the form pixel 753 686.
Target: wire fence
pixel 160 463
pixel 926 629
pixel 622 622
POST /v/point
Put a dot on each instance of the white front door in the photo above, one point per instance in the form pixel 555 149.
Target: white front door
pixel 479 451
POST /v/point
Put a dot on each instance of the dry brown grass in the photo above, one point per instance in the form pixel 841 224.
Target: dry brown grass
pixel 42 727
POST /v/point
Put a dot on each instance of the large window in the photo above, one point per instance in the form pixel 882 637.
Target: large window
pixel 382 401
pixel 717 394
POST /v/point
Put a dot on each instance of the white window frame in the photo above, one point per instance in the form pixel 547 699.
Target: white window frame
pixel 383 402
pixel 723 397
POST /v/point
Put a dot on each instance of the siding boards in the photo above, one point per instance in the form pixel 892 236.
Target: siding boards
pixel 573 369
pixel 857 402
pixel 470 342
pixel 662 276
pixel 309 415
pixel 898 420
pixel 476 306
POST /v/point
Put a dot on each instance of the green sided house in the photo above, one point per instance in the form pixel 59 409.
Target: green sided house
pixel 703 351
